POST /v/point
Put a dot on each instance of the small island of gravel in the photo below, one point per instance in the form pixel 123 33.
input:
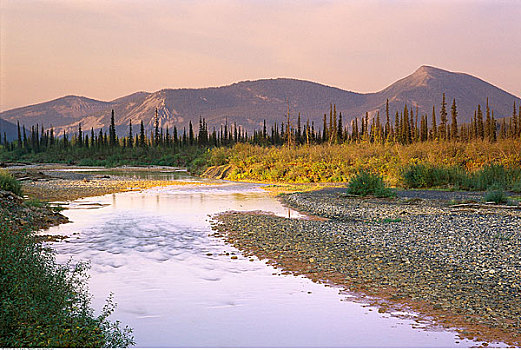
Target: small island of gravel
pixel 457 265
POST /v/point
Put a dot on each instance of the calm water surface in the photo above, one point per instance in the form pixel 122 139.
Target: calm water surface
pixel 176 287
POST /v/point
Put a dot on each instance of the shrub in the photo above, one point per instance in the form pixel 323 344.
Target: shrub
pixel 365 183
pixel 45 304
pixel 9 183
pixel 495 194
pixel 424 176
pixel 516 186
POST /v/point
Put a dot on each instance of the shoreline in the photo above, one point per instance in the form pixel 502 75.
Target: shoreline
pixel 325 209
pixel 57 183
pixel 376 266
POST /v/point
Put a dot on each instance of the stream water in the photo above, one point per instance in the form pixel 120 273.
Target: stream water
pixel 177 286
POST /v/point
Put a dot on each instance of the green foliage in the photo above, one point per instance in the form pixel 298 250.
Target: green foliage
pixel 426 176
pixel 495 194
pixel 9 183
pixel 366 183
pixel 45 304
pixel 36 203
pixel 516 186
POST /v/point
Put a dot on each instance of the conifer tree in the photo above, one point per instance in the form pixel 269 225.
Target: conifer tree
pixel 112 131
pixel 92 137
pixel 387 121
pixel 80 136
pixel 142 135
pixel 339 134
pixel 454 125
pixel 481 129
pixel 19 135
pixel 493 128
pixel 488 124
pixel 190 133
pixel 434 126
pixel 130 135
pixel 443 119
pixel 515 122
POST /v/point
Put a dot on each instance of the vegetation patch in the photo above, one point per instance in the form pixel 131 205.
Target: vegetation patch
pixel 366 183
pixel 43 303
pixel 428 176
pixel 9 183
pixel 495 194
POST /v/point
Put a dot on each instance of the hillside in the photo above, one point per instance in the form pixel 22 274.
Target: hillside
pixel 250 102
pixel 9 129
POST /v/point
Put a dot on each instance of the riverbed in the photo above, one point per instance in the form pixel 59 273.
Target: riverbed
pixel 177 285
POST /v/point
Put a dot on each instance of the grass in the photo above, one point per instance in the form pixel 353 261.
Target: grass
pixel 9 183
pixel 366 183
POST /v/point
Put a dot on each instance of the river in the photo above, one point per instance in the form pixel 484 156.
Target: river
pixel 178 286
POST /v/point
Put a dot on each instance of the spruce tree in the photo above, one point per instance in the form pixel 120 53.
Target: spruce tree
pixel 190 133
pixel 488 124
pixel 142 135
pixel 387 121
pixel 481 129
pixel 454 125
pixel 19 135
pixel 80 136
pixel 130 135
pixel 515 122
pixel 112 131
pixel 340 135
pixel 434 131
pixel 443 119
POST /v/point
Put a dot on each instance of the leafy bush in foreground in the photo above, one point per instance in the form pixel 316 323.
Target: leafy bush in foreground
pixel 365 183
pixel 45 304
pixel 9 183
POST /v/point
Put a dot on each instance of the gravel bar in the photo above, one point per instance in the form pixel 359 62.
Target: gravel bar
pixel 459 267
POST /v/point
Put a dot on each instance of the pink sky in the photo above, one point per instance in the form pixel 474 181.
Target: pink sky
pixel 108 49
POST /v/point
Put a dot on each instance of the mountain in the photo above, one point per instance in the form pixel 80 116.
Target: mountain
pixel 10 130
pixel 248 103
pixel 424 88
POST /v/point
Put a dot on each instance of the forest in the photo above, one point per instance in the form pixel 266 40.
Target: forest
pixel 331 152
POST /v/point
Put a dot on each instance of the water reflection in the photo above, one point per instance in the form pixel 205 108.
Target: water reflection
pixel 177 286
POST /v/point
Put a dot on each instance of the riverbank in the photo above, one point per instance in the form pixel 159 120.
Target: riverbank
pixel 59 183
pixel 456 265
pixel 45 304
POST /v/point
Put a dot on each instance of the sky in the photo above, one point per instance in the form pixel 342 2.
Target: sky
pixel 108 49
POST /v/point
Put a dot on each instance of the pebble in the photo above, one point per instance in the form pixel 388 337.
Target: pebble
pixel 462 263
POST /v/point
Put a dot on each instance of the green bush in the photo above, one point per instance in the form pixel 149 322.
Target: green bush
pixel 425 176
pixel 365 183
pixel 9 183
pixel 45 304
pixel 495 194
pixel 516 186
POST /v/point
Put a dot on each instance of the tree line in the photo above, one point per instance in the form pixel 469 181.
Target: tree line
pixel 407 127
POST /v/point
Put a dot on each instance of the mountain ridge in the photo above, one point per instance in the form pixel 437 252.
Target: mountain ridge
pixel 249 102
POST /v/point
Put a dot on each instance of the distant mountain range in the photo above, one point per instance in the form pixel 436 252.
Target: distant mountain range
pixel 248 103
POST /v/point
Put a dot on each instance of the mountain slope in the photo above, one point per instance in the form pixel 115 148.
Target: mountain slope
pixel 10 130
pixel 250 102
pixel 424 88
